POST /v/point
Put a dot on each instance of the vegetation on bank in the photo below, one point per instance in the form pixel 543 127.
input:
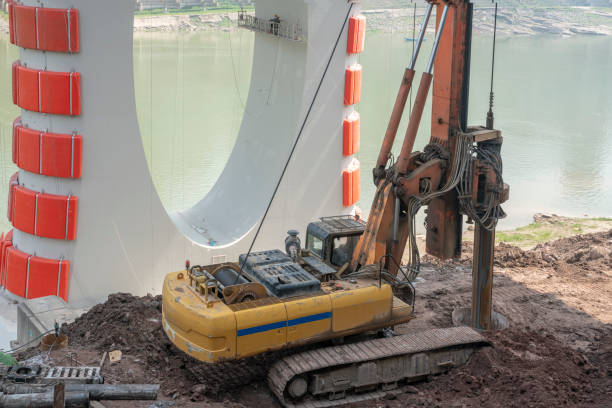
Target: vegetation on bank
pixel 7 359
pixel 551 227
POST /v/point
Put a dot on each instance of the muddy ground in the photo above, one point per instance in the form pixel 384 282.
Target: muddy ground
pixel 557 351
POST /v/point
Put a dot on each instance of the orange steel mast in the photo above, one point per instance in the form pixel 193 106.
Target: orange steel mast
pixel 431 177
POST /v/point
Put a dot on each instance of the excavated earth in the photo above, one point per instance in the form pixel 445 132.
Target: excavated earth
pixel 556 352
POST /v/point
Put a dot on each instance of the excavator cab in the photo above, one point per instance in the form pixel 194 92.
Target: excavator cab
pixel 333 239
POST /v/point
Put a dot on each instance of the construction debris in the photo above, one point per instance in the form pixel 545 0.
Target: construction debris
pixel 114 356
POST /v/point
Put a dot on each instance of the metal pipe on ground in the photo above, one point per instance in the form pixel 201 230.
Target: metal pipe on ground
pixel 95 391
pixel 77 399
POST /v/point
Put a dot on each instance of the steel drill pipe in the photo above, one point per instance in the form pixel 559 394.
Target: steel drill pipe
pixel 77 399
pixel 96 391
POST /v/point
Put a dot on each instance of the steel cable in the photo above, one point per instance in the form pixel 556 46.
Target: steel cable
pixel 297 139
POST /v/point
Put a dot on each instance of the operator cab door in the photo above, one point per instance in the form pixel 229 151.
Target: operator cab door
pixel 336 252
pixel 342 248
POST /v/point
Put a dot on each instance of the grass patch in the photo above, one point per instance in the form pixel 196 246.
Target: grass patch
pixel 7 359
pixel 524 237
pixel 551 229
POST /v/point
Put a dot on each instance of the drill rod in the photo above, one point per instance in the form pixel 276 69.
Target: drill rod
pixel 419 102
pixel 402 97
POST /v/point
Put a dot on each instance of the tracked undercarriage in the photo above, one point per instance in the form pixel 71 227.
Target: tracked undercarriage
pixel 369 369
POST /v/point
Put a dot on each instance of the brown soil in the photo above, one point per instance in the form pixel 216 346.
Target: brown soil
pixel 557 351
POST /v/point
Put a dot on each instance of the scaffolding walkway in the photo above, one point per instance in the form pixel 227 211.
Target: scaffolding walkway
pixel 291 32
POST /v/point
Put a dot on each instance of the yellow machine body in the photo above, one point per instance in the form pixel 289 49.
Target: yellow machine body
pixel 198 322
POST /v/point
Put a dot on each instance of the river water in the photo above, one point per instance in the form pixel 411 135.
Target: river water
pixel 553 102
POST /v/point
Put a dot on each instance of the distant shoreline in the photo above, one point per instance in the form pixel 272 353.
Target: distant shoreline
pixel 562 21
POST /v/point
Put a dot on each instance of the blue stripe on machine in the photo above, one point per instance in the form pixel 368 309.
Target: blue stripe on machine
pixel 308 319
pixel 262 328
pixel 278 325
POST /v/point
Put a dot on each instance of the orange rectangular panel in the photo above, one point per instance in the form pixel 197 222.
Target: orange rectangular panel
pixel 75 42
pixel 64 278
pixel 3 245
pixel 58 30
pixel 16 272
pixel 28 149
pixel 27 88
pixel 347 188
pixel 13 183
pixel 356 33
pixel 24 209
pixel 351 135
pixel 60 93
pixel 61 155
pixel 349 87
pixel 357 95
pixel 352 85
pixel 46 278
pixel 11 13
pixel 46 29
pixel 361 33
pixel 56 216
pixel 16 126
pixel 25 26
pixel 353 32
pixel 356 185
pixel 3 269
pixel 15 72
pixel 75 79
pixel 351 184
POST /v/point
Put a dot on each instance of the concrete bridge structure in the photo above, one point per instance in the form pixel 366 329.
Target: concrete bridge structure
pixel 79 115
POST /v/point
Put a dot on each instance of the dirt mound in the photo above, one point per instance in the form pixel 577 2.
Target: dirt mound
pixel 522 369
pixel 592 249
pixel 133 325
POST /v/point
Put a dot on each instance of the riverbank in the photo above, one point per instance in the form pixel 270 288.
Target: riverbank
pixel 564 21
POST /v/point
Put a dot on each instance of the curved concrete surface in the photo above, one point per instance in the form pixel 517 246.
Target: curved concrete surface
pixel 125 239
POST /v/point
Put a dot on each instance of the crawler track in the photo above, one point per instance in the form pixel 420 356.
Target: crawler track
pixel 370 369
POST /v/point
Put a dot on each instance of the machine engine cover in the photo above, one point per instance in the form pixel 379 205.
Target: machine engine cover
pixel 279 274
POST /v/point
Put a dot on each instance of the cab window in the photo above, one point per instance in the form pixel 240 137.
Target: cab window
pixel 342 249
pixel 315 245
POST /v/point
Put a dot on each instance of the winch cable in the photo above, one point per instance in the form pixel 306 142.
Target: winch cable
pixel 491 95
pixel 413 37
pixel 297 139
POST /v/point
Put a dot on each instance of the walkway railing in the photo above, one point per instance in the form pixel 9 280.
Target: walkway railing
pixel 291 32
